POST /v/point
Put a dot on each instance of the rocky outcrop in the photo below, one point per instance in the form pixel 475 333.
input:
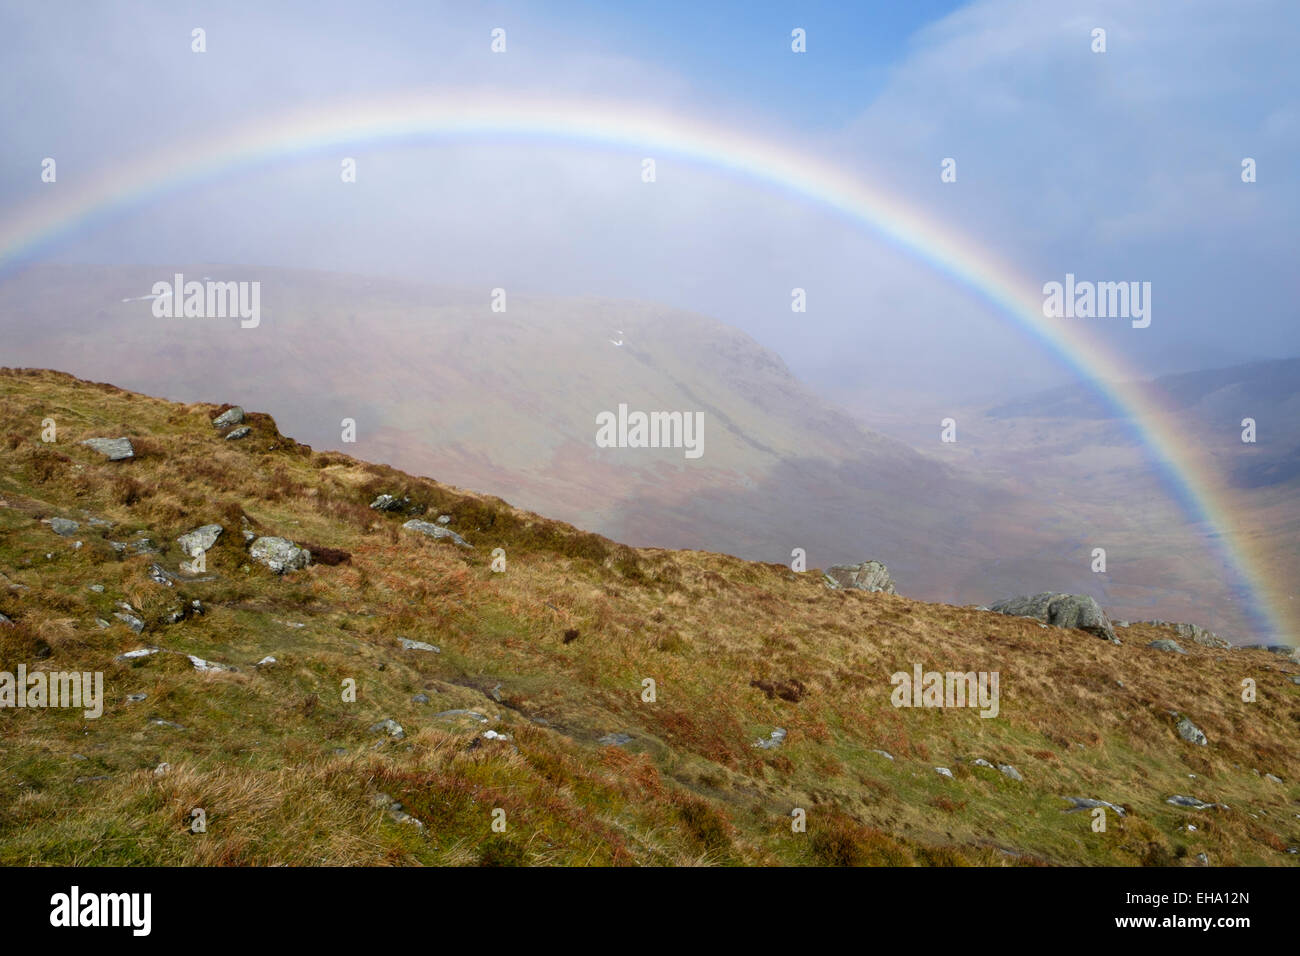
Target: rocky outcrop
pixel 114 449
pixel 279 554
pixel 1078 611
pixel 1195 634
pixel 867 576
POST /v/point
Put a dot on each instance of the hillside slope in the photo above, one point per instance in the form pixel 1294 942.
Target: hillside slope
pixel 506 403
pixel 552 652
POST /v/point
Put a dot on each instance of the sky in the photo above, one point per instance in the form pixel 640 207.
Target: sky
pixel 1118 166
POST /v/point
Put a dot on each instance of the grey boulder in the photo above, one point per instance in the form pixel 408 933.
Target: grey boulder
pixel 1191 733
pixel 410 645
pixel 1191 803
pixel 1164 644
pixel 1077 611
pixel 114 449
pixel 867 576
pixel 1088 803
pixel 131 621
pixel 435 531
pixel 279 554
pixel 200 540
pixel 231 416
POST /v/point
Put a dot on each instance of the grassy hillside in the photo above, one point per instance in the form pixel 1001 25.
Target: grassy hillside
pixel 552 653
pixel 506 403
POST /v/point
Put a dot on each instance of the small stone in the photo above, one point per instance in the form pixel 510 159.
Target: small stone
pixel 243 431
pixel 161 769
pixel 411 645
pixel 884 753
pixel 981 762
pixel 135 698
pixel 1272 779
pixel 266 661
pixel 97 588
pixel 63 526
pixel 774 739
pixel 943 772
pixel 390 727
pixel 208 666
pixel 614 740
pixel 1192 803
pixel 160 575
pixel 131 621
pixel 420 699
pixel 1088 803
pixel 1011 772
pixel 158 721
pixel 444 519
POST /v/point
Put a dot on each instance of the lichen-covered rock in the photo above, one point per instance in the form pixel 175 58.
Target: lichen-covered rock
pixel 63 526
pixel 1164 644
pixel 435 531
pixel 199 540
pixel 410 645
pixel 867 576
pixel 114 449
pixel 1195 634
pixel 279 554
pixel 231 416
pixel 1191 733
pixel 1078 611
pixel 390 727
pixel 130 620
pixel 1089 803
pixel 243 431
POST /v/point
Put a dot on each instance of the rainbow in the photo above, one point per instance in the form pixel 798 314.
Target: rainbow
pixel 60 210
